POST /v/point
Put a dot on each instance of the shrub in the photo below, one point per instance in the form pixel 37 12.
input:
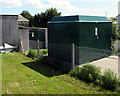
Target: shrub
pixel 32 53
pixel 87 73
pixel 115 32
pixel 90 73
pixel 109 80
pixel 75 72
pixel 44 51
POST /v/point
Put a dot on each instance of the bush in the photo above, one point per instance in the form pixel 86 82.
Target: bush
pixel 115 32
pixel 75 72
pixel 44 51
pixel 109 80
pixel 32 53
pixel 87 73
pixel 90 73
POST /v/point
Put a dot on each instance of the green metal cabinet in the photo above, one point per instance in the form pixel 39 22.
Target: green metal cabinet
pixel 84 31
pixel 35 34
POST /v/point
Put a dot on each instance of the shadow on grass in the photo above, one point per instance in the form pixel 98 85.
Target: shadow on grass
pixel 42 68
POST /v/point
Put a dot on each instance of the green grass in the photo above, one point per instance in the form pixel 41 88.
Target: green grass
pixel 22 75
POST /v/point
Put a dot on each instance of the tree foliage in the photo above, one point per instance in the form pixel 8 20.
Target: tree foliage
pixel 115 31
pixel 26 14
pixel 41 19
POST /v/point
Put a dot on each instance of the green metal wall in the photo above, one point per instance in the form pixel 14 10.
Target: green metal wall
pixel 87 36
pixel 60 38
pixel 82 34
pixel 100 47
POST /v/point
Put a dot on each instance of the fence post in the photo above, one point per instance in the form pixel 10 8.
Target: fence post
pixel 73 55
pixel 46 38
pixel 38 54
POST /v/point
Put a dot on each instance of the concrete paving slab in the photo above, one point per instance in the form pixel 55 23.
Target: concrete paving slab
pixel 111 62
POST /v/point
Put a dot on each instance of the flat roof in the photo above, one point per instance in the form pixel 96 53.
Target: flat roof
pixel 20 17
pixel 79 18
pixel 8 15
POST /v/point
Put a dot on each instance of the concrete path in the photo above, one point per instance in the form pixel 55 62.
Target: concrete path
pixel 111 62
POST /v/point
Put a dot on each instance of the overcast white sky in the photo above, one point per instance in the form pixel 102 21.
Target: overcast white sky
pixel 67 7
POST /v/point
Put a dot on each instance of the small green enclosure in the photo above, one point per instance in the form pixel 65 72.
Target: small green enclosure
pixel 35 34
pixel 90 34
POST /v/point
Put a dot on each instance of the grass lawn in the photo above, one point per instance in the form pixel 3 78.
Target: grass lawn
pixel 22 75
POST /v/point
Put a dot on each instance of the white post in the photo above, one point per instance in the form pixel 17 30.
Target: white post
pixel 118 7
pixel 106 13
pixel 73 55
pixel 38 54
pixel 118 41
pixel 46 38
pixel 1 43
pixel 118 17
